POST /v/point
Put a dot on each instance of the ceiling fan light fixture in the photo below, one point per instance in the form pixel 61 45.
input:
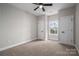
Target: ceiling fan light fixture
pixel 40 6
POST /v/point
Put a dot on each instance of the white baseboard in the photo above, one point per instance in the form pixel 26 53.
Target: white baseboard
pixel 1 49
pixel 77 49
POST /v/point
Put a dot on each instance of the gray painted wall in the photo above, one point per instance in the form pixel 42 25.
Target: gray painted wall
pixel 16 26
pixel 77 26
pixel 67 11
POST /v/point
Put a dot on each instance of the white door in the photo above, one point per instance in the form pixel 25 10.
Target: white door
pixel 66 30
pixel 41 27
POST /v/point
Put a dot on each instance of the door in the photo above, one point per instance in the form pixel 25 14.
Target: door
pixel 66 30
pixel 41 27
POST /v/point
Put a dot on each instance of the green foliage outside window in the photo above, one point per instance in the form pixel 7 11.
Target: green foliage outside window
pixel 53 30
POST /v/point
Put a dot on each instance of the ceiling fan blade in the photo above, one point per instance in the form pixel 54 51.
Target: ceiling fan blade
pixel 43 9
pixel 48 4
pixel 36 8
pixel 36 3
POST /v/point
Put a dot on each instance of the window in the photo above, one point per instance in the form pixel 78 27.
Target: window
pixel 53 27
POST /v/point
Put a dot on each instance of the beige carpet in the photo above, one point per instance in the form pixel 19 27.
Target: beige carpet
pixel 41 48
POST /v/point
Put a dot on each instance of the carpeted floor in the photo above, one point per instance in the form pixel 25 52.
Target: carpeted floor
pixel 41 48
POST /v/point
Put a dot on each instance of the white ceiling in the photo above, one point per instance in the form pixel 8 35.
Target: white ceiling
pixel 29 7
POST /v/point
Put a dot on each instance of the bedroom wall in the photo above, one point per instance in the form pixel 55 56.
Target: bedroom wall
pixel 16 26
pixel 77 27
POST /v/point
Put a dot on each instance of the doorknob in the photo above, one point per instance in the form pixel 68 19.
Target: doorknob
pixel 41 31
pixel 62 32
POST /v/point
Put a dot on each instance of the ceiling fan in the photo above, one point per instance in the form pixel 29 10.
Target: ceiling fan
pixel 41 5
